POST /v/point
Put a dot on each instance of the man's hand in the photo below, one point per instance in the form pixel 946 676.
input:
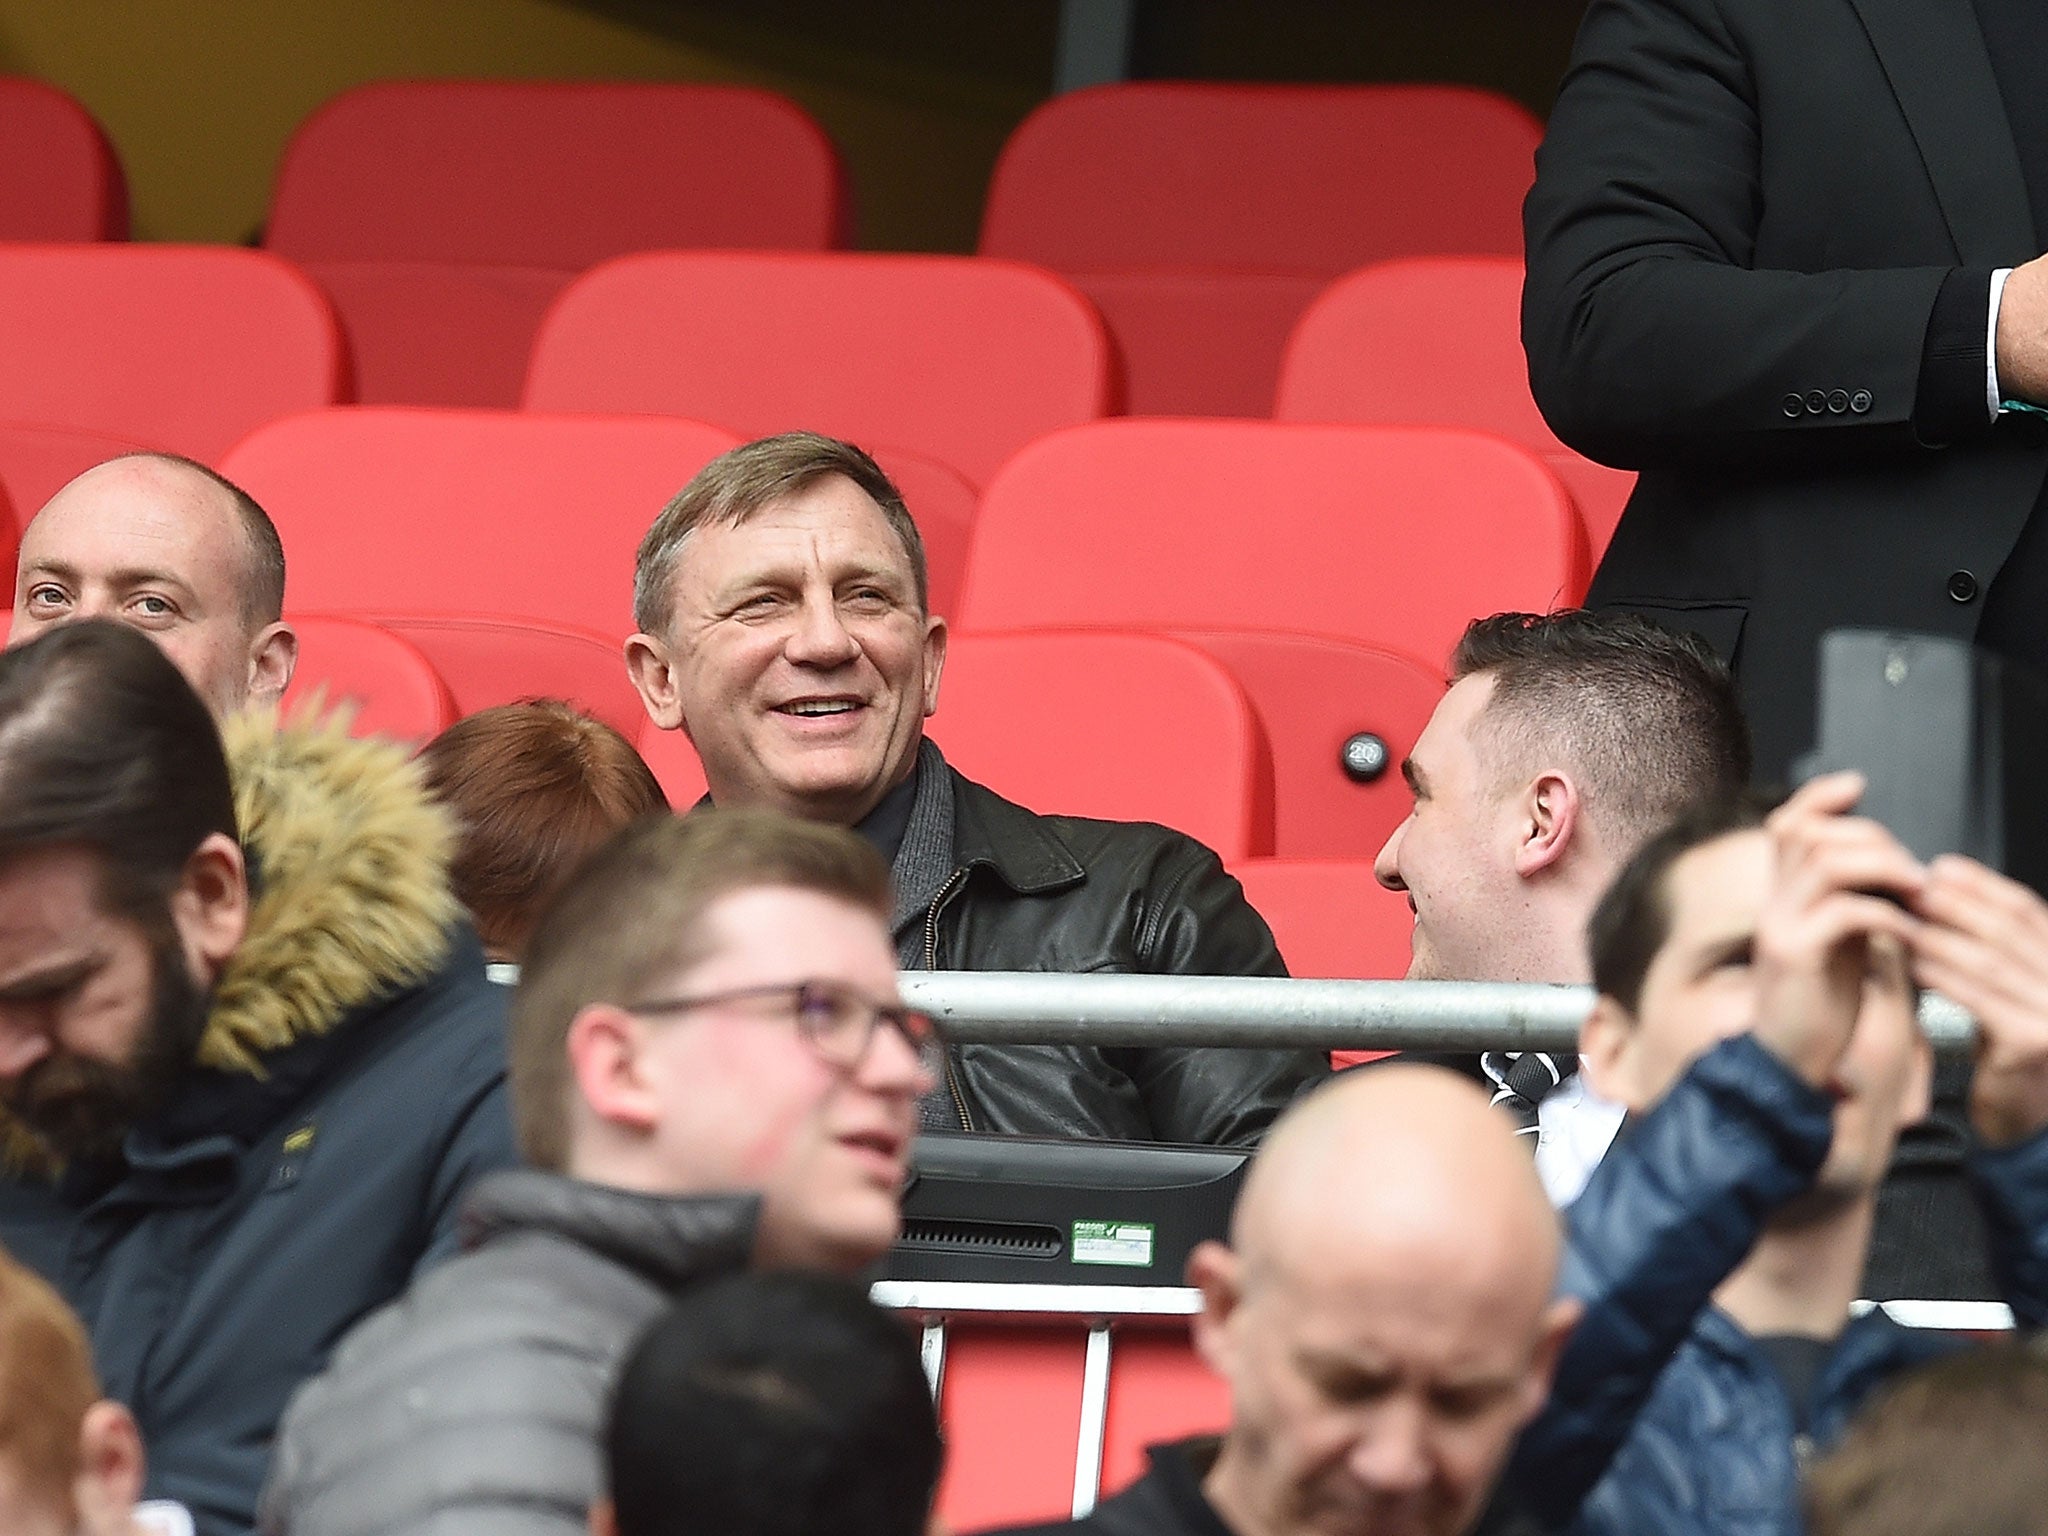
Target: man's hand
pixel 1983 943
pixel 1838 884
pixel 2022 344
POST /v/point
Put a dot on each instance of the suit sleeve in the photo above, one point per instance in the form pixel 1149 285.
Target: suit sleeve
pixel 1651 338
pixel 1198 923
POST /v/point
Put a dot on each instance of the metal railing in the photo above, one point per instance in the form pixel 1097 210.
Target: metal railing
pixel 1028 1008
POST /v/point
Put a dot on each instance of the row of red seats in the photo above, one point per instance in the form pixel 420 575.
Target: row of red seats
pixel 1201 219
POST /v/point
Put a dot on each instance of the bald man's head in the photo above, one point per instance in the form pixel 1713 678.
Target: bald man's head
pixel 1383 1315
pixel 164 544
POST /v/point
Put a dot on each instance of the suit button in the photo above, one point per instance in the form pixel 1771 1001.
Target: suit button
pixel 1860 401
pixel 1838 401
pixel 1816 401
pixel 1962 587
pixel 1794 405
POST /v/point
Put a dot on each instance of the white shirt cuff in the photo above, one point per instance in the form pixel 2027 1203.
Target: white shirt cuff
pixel 1992 393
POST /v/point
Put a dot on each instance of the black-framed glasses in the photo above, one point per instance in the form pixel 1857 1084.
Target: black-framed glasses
pixel 838 1022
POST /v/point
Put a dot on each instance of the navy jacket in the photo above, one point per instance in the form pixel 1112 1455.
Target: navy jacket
pixel 1663 1407
pixel 349 1086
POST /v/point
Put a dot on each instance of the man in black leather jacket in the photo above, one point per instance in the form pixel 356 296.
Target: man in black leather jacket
pixel 781 603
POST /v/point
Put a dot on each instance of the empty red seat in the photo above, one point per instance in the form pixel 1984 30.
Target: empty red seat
pixel 487 662
pixel 37 462
pixel 941 503
pixel 1202 218
pixel 484 514
pixel 1390 536
pixel 1125 727
pixel 513 187
pixel 390 685
pixel 961 359
pixel 1332 918
pixel 59 176
pixel 1436 339
pixel 186 347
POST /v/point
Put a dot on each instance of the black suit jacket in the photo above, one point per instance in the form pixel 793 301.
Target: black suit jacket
pixel 1743 214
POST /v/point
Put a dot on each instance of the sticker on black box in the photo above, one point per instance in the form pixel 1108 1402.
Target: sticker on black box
pixel 1128 1243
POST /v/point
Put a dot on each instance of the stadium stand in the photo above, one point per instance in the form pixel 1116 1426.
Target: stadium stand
pixel 59 178
pixel 183 346
pixel 1436 339
pixel 512 188
pixel 958 358
pixel 1169 735
pixel 388 682
pixel 1202 218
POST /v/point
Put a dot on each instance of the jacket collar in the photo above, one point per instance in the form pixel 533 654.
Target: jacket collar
pixel 1871 1349
pixel 1934 56
pixel 668 1238
pixel 957 824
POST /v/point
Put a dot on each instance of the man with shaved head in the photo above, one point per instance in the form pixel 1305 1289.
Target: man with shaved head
pixel 1383 1316
pixel 163 544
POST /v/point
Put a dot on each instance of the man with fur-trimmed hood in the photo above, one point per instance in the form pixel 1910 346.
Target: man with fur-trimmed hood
pixel 248 1057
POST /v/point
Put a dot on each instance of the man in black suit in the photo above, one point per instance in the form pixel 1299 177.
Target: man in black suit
pixel 1784 259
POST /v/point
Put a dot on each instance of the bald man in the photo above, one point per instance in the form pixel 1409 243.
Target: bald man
pixel 1383 1317
pixel 165 545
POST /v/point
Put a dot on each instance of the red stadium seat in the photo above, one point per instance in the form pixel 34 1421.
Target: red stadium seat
pixel 486 662
pixel 188 347
pixel 1390 536
pixel 962 359
pixel 481 514
pixel 1436 339
pixel 941 503
pixel 37 462
pixel 1202 218
pixel 510 189
pixel 1170 737
pixel 59 176
pixel 1332 918
pixel 390 684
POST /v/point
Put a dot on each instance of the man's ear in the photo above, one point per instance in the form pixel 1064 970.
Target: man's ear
pixel 934 661
pixel 1549 819
pixel 273 657
pixel 111 1468
pixel 1559 1319
pixel 210 906
pixel 652 669
pixel 1218 1273
pixel 1607 1053
pixel 606 1046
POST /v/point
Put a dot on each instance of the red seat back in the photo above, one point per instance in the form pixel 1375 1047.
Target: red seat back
pixel 59 176
pixel 511 188
pixel 189 347
pixel 961 359
pixel 37 462
pixel 1394 537
pixel 1202 217
pixel 392 687
pixel 389 509
pixel 486 662
pixel 1332 917
pixel 1125 727
pixel 942 504
pixel 1435 339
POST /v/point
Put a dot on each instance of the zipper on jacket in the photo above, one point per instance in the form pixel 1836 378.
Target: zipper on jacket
pixel 931 963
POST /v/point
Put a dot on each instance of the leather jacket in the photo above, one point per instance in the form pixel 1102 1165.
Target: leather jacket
pixel 985 885
pixel 1663 1407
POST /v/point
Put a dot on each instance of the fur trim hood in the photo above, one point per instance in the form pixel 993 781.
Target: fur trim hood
pixel 349 861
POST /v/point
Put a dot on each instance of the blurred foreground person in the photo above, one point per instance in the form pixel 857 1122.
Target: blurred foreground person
pixel 1382 1316
pixel 534 787
pixel 249 1060
pixel 71 1462
pixel 772 1405
pixel 711 1067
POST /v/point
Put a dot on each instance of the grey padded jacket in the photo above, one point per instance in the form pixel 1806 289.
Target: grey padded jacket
pixel 474 1402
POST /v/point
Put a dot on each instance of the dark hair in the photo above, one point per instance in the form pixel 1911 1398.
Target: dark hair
pixel 104 745
pixel 779 1404
pixel 744 480
pixel 1951 1449
pixel 262 586
pixel 1648 717
pixel 1633 918
pixel 535 785
pixel 632 915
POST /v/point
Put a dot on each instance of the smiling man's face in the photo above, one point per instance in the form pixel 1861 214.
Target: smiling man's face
pixel 802 664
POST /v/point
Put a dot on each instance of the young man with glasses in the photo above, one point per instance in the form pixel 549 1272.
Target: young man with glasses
pixel 711 1067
